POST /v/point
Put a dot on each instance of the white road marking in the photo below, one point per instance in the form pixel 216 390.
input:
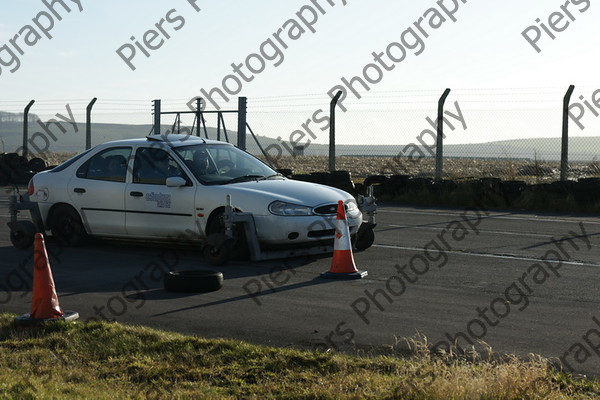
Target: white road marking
pixel 487 255
pixel 480 230
pixel 587 220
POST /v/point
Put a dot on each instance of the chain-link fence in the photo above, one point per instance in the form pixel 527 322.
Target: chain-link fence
pixel 512 134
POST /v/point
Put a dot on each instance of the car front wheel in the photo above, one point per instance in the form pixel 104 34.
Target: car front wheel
pixel 238 245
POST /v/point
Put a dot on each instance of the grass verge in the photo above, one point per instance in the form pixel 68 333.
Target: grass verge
pixel 108 360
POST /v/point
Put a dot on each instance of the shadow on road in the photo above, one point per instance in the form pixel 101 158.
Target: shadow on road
pixel 313 282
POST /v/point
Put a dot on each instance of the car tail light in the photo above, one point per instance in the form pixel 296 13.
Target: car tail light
pixel 30 188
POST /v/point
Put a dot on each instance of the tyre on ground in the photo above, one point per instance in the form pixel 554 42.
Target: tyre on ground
pixel 193 281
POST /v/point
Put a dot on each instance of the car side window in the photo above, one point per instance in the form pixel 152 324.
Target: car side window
pixel 153 166
pixel 108 165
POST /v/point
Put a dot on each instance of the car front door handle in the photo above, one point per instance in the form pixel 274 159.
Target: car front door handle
pixel 79 190
pixel 136 194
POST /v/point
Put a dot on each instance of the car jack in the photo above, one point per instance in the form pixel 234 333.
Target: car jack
pixel 218 245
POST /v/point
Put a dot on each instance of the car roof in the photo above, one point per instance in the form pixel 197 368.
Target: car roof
pixel 172 140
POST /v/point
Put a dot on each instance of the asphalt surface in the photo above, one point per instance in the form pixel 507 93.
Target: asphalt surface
pixel 522 283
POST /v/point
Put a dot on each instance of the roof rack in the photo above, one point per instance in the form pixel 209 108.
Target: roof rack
pixel 173 137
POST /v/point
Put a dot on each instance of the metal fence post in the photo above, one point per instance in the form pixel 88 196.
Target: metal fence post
pixel 241 131
pixel 200 118
pixel 156 130
pixel 88 124
pixel 564 151
pixel 439 147
pixel 26 127
pixel 332 130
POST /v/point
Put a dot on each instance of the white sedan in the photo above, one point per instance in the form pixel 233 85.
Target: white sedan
pixel 176 186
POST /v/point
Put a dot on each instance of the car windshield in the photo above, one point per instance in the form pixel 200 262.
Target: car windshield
pixel 220 164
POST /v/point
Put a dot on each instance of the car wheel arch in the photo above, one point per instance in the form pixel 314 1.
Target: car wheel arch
pixel 239 246
pixel 214 215
pixel 52 212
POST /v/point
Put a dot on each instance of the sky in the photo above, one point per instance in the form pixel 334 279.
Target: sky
pixel 505 87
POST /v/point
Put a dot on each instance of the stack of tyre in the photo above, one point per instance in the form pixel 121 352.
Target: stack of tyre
pixel 339 179
pixel 490 191
pixel 16 169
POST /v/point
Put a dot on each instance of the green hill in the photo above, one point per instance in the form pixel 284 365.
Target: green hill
pixel 580 148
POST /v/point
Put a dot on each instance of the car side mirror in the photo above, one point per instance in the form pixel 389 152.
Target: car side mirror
pixel 175 181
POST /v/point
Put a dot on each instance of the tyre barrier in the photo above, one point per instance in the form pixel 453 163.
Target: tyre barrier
pixel 488 192
pixel 484 192
pixel 339 179
pixel 287 172
pixel 16 169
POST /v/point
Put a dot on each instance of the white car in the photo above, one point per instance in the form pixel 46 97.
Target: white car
pixel 167 186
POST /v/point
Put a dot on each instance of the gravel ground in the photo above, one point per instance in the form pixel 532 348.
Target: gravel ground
pixel 454 168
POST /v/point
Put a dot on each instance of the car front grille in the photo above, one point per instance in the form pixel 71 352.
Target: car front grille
pixel 329 209
pixel 321 233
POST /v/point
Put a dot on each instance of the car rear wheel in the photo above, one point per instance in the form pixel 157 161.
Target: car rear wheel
pixel 66 226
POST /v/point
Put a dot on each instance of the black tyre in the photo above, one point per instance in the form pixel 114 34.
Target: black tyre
pixel 238 246
pixel 287 172
pixel 36 164
pixel 15 161
pixel 66 226
pixel 364 237
pixel 217 249
pixel 376 180
pixel 193 281
pixel 22 234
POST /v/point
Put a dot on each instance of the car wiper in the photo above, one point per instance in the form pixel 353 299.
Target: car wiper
pixel 274 176
pixel 245 178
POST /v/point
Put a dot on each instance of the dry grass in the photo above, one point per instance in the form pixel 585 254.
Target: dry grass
pixel 52 158
pixel 532 171
pixel 110 360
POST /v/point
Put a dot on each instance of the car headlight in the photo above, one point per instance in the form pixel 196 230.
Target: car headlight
pixel 288 209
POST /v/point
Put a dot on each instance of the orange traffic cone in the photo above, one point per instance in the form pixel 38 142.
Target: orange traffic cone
pixel 44 303
pixel 342 265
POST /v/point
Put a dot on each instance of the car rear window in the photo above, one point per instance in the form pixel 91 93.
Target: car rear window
pixel 70 161
pixel 108 165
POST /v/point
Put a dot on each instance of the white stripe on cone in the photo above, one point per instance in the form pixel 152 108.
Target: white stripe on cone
pixel 342 235
pixel 343 260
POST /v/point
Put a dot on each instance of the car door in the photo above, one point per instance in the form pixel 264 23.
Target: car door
pixel 153 208
pixel 98 191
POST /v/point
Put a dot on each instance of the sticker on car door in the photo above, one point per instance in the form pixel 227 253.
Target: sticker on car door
pixel 162 200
